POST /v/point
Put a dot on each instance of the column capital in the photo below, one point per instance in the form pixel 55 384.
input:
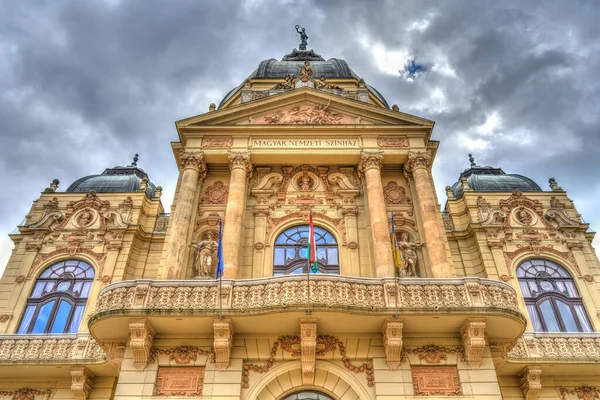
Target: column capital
pixel 417 160
pixel 370 159
pixel 193 160
pixel 240 159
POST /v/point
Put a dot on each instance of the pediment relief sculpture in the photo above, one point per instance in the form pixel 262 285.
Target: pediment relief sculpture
pixel 306 114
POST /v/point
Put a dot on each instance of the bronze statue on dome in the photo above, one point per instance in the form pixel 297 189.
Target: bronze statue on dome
pixel 303 37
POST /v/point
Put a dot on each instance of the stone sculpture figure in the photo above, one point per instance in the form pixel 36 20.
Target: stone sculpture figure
pixel 303 37
pixel 204 256
pixel 408 253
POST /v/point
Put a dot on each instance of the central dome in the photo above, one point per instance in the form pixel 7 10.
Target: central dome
pixel 333 69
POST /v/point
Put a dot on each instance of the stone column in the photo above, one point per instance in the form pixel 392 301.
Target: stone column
pixel 193 167
pixel 234 215
pixel 370 167
pixel 434 233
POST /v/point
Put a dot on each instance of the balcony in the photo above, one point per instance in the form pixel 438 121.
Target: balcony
pixel 37 352
pixel 274 305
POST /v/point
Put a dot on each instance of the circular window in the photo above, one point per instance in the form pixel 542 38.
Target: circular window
pixel 63 286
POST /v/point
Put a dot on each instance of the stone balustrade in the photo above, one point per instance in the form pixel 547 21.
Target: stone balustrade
pixel 556 347
pixel 60 349
pixel 275 294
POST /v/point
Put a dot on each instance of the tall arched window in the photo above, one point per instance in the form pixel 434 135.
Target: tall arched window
pixel 552 299
pixel 307 395
pixel 58 299
pixel 291 249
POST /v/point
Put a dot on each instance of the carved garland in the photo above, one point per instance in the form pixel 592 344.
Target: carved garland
pixel 433 354
pixel 327 342
pixel 26 393
pixel 582 392
pixel 182 354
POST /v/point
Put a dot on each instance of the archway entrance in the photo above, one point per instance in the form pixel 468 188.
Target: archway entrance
pixel 307 395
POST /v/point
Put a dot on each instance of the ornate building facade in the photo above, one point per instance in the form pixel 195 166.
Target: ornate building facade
pixel 106 296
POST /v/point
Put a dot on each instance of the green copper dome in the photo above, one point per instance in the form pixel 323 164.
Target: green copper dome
pixel 114 180
pixel 491 179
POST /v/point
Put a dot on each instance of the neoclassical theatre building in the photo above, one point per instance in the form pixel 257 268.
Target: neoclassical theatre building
pixel 109 296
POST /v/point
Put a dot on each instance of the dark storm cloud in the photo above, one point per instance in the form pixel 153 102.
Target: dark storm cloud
pixel 84 85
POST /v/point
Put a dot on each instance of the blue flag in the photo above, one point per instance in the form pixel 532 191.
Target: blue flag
pixel 220 265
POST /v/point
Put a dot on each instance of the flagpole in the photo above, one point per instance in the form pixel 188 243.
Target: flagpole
pixel 308 270
pixel 395 268
pixel 396 295
pixel 221 298
pixel 220 268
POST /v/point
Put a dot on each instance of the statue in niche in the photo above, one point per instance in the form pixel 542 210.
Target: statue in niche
pixel 204 256
pixel 409 254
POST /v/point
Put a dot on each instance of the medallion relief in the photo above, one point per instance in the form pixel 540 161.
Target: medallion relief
pixel 395 194
pixel 216 193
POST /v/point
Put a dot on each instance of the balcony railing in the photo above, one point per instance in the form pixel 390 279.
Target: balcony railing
pixel 556 347
pixel 45 349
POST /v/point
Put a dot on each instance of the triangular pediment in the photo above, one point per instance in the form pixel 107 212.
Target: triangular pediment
pixel 304 107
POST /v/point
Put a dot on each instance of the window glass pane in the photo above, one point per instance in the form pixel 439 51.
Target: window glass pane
pixel 77 287
pixel 296 271
pixel 549 317
pixel 86 289
pixel 535 318
pixel 303 252
pixel 89 273
pixel 279 259
pixel 533 288
pixel 567 316
pixel 76 319
pixel 546 286
pixel 42 318
pixel 332 256
pixel 38 290
pixel 290 254
pixel 26 319
pixel 571 289
pixel 322 254
pixel 62 315
pixel 581 315
pixel 525 289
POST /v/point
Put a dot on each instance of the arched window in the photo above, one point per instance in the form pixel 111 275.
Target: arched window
pixel 58 299
pixel 291 249
pixel 552 299
pixel 307 395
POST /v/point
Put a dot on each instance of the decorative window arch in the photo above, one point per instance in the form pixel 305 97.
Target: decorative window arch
pixel 552 299
pixel 58 299
pixel 290 251
pixel 307 395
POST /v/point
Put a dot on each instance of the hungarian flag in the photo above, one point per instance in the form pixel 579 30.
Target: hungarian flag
pixel 313 264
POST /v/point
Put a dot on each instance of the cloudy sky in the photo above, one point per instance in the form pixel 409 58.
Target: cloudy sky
pixel 86 84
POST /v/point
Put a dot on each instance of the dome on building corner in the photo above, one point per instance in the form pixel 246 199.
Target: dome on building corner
pixel 492 179
pixel 119 179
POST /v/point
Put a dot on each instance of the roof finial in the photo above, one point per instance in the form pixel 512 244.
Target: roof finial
pixel 135 160
pixel 472 160
pixel 303 37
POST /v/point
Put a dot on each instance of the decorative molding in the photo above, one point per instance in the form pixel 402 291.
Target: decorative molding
pixel 330 291
pixel 499 350
pixel 318 114
pixel 392 342
pixel 5 318
pixel 178 381
pixel 435 381
pixel 180 354
pixel 81 382
pixel 566 256
pixel 308 349
pixel 240 159
pixel 216 193
pixel 582 392
pixel 27 394
pixel 395 194
pixel 473 337
pixel 72 250
pixel 192 160
pixel 369 160
pixel 392 142
pixel 531 383
pixel 142 335
pixel 559 347
pixel 433 354
pixel 417 160
pixel 35 350
pixel 20 279
pixel 325 344
pixel 222 343
pixel 217 142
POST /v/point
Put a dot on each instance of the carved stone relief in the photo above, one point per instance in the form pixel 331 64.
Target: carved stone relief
pixel 395 194
pixel 180 381
pixel 318 114
pixel 435 381
pixel 392 142
pixel 216 193
pixel 217 142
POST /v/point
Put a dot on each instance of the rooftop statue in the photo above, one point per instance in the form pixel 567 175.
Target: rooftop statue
pixel 303 37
